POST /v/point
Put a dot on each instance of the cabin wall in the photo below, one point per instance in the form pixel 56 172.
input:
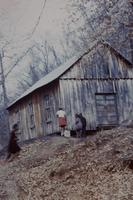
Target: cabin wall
pixel 50 101
pixel 23 117
pixel 100 64
pixel 77 99
pixel 20 113
pixel 78 96
pixel 101 72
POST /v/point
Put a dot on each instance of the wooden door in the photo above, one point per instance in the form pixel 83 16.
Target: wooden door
pixel 106 109
pixel 48 114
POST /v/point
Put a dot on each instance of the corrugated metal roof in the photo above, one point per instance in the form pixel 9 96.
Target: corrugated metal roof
pixel 56 73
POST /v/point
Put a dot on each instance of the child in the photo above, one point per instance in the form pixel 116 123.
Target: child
pixel 62 120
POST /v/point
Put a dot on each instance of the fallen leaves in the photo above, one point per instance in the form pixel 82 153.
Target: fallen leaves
pixel 97 167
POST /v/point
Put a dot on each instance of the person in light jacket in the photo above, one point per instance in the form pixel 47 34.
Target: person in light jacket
pixel 62 120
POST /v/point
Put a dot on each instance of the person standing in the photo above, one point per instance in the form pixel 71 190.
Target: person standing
pixel 78 126
pixel 83 120
pixel 62 120
pixel 13 148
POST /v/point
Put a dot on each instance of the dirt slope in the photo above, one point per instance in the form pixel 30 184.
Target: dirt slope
pixel 99 167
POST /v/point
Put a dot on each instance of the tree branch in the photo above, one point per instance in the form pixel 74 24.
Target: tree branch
pixel 38 21
pixel 17 61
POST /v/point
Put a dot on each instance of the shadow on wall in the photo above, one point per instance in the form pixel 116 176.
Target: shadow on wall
pixel 128 122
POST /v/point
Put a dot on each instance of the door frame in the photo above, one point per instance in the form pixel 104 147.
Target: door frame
pixel 116 109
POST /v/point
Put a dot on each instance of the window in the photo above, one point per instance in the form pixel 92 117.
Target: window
pixel 106 109
pixel 17 117
pixel 103 70
pixel 31 115
pixel 47 101
pixel 47 108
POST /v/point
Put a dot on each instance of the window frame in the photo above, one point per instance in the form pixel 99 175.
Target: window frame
pixel 31 114
pixel 105 95
pixel 47 108
pixel 17 117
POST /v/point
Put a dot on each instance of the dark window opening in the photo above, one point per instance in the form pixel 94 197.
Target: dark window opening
pixel 106 109
pixel 31 115
pixel 17 117
pixel 47 109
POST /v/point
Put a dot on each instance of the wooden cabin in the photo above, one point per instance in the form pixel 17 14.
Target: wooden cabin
pixel 98 84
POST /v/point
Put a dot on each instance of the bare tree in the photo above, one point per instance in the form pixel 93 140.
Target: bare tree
pixel 4 100
pixel 4 118
pixel 96 20
pixel 4 92
pixel 130 26
pixel 44 59
pixel 47 55
pixel 27 80
pixel 38 21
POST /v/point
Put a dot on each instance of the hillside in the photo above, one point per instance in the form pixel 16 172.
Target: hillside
pixel 99 167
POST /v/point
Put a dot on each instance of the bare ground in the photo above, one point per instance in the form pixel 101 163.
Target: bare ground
pixel 99 167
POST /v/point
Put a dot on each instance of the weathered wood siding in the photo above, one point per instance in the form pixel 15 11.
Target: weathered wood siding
pixel 101 71
pixel 40 126
pixel 52 91
pixel 27 131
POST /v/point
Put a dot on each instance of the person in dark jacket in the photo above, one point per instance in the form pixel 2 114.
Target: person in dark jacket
pixel 13 147
pixel 83 120
pixel 78 126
